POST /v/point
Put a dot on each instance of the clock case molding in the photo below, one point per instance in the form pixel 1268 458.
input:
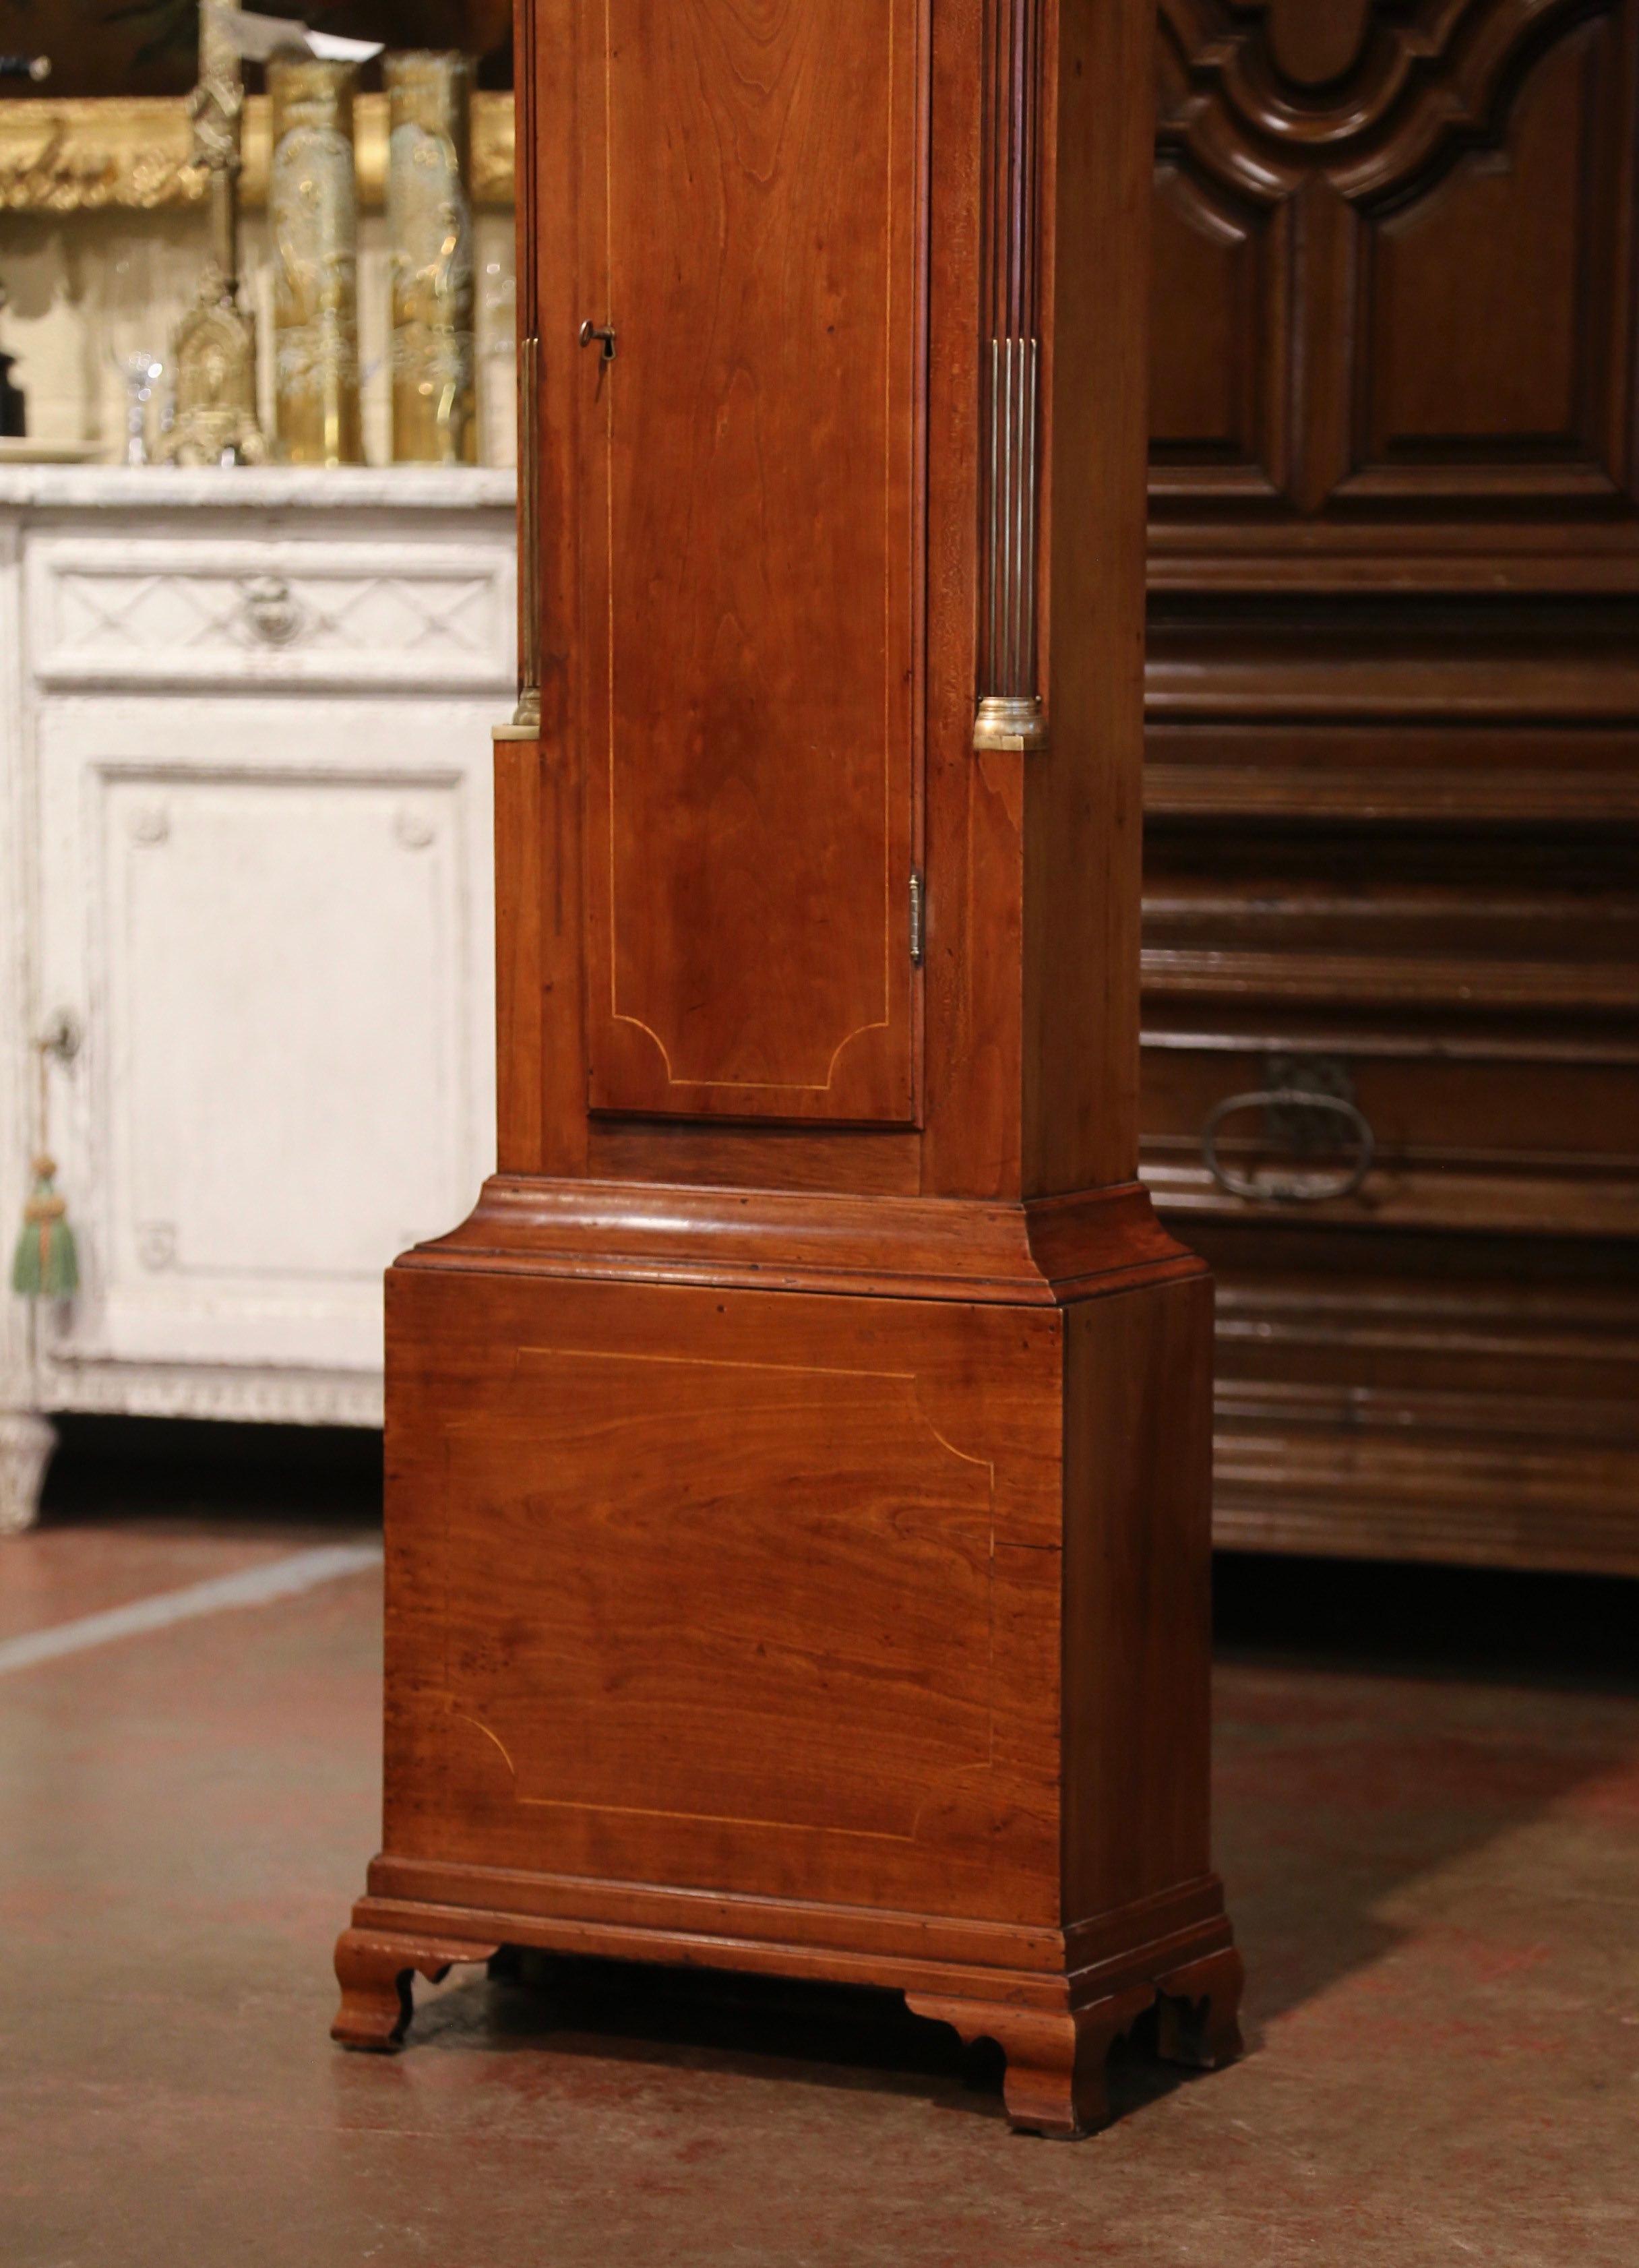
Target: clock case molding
pixel 799 1483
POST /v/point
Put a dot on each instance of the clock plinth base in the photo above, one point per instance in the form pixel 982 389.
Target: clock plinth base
pixel 855 1618
pixel 1055 2026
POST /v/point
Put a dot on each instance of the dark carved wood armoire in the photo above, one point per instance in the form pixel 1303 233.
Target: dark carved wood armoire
pixel 798 1466
pixel 1393 803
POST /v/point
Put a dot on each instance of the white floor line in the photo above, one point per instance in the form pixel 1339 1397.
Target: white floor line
pixel 253 1586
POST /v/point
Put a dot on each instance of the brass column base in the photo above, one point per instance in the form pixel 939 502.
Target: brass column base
pixel 1006 721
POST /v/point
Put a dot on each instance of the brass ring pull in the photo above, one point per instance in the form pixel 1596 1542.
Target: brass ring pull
pixel 1277 1188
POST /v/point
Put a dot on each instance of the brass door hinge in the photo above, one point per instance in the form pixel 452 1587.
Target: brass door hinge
pixel 917 918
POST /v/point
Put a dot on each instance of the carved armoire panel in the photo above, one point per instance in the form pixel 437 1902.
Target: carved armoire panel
pixel 1394 253
pixel 1392 787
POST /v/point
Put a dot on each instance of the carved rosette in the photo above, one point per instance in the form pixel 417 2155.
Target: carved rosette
pixel 1009 713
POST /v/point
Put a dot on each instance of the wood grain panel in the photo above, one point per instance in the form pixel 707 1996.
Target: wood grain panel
pixel 1440 776
pixel 756 1157
pixel 780 1607
pixel 1138 1511
pixel 1481 304
pixel 1215 390
pixel 751 624
pixel 1472 1402
pixel 844 1573
pixel 1083 796
pixel 524 899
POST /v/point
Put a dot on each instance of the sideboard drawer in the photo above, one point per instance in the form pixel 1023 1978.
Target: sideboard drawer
pixel 234 610
pixel 1423 1129
pixel 1452 1011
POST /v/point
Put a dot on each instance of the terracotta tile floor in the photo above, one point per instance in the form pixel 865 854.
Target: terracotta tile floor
pixel 1436 1880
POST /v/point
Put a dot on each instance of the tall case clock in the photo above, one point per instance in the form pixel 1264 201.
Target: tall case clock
pixel 799 1465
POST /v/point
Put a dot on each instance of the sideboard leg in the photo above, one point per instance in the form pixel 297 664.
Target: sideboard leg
pixel 1054 2082
pixel 374 1971
pixel 1200 2011
pixel 26 1442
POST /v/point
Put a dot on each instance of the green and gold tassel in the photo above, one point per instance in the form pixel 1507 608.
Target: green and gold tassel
pixel 45 1265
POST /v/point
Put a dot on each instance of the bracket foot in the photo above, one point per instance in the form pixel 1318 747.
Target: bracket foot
pixel 374 1971
pixel 1054 2083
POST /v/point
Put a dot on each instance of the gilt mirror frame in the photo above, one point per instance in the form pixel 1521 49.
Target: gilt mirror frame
pixel 96 153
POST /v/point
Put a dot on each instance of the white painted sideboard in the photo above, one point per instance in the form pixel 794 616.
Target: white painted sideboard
pixel 245 862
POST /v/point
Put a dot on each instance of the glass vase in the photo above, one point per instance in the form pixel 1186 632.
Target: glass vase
pixel 312 207
pixel 429 229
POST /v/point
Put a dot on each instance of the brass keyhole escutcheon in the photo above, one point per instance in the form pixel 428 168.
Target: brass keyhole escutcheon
pixel 589 331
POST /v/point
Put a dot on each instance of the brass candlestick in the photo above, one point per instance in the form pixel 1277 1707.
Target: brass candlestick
pixel 312 206
pixel 430 226
pixel 214 346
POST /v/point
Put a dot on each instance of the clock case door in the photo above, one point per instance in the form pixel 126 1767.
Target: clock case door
pixel 751 229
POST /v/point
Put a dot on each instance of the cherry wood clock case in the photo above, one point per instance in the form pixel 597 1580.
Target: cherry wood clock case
pixel 799 1465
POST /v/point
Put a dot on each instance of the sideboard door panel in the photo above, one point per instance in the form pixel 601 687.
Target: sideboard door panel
pixel 272 927
pixel 749 525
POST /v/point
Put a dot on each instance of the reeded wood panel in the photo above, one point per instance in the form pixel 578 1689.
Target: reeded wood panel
pixel 750 625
